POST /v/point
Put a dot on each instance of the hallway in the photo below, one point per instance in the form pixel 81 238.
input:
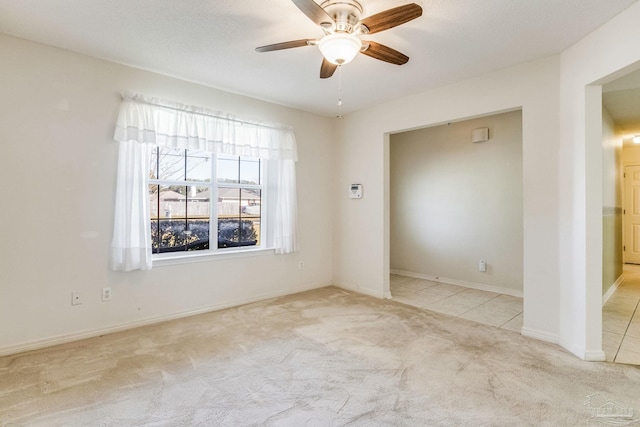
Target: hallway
pixel 621 320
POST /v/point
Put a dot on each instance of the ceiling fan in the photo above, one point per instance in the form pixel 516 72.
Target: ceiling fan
pixel 341 23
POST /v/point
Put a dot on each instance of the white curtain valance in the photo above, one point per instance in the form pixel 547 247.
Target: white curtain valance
pixel 169 124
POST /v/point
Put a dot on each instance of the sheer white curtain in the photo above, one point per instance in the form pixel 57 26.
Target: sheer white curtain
pixel 131 245
pixel 285 227
pixel 144 122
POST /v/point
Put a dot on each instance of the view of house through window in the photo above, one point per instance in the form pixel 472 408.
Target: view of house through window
pixel 183 184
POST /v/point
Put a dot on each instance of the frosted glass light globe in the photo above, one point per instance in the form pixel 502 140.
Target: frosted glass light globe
pixel 339 48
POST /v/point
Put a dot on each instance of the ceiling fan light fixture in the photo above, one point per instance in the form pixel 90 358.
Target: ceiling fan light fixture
pixel 339 48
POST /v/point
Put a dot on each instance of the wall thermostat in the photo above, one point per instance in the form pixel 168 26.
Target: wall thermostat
pixel 355 191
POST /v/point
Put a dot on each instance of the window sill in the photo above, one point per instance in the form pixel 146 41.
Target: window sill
pixel 176 259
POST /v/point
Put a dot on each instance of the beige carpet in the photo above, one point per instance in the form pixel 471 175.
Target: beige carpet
pixel 321 358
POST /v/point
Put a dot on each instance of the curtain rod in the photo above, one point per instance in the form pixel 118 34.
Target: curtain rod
pixel 201 111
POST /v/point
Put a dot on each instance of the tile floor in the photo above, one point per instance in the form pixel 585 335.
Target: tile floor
pixel 621 320
pixel 620 315
pixel 502 311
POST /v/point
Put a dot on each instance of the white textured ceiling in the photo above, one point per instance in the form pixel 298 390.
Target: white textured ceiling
pixel 212 42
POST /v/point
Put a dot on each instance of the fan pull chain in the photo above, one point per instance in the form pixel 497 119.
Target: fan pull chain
pixel 339 92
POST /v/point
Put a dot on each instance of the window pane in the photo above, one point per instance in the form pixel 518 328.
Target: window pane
pixel 171 164
pixel 239 212
pixel 249 171
pixel 197 234
pixel 228 232
pixel 168 233
pixel 198 207
pixel 228 202
pixel 236 232
pixel 153 210
pixel 173 201
pixel 182 218
pixel 250 203
pixel 154 237
pixel 198 166
pixel 250 208
pixel 228 169
pixel 172 235
pixel 197 202
pixel 153 200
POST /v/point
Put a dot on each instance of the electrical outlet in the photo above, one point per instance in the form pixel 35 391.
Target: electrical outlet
pixel 76 298
pixel 106 294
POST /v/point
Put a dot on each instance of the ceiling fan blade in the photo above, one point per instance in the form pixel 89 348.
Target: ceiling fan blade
pixel 385 53
pixel 327 69
pixel 285 45
pixel 314 11
pixel 391 18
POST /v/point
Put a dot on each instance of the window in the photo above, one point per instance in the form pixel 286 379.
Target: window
pixel 193 188
pixel 194 195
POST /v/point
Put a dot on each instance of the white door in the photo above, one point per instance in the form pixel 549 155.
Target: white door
pixel 632 215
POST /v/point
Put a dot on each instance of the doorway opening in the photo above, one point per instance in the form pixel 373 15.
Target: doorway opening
pixel 621 220
pixel 456 219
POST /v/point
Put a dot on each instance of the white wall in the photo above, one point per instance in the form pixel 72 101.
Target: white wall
pixel 361 232
pixel 454 203
pixel 602 56
pixel 611 162
pixel 611 203
pixel 58 168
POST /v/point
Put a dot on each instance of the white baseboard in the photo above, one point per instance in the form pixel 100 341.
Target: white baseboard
pixel 612 289
pixel 472 285
pixel 595 356
pixel 586 355
pixel 359 289
pixel 66 338
pixel 540 335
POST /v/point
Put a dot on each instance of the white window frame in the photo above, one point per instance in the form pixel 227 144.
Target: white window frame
pixel 180 257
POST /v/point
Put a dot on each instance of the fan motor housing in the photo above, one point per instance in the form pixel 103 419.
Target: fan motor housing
pixel 346 13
